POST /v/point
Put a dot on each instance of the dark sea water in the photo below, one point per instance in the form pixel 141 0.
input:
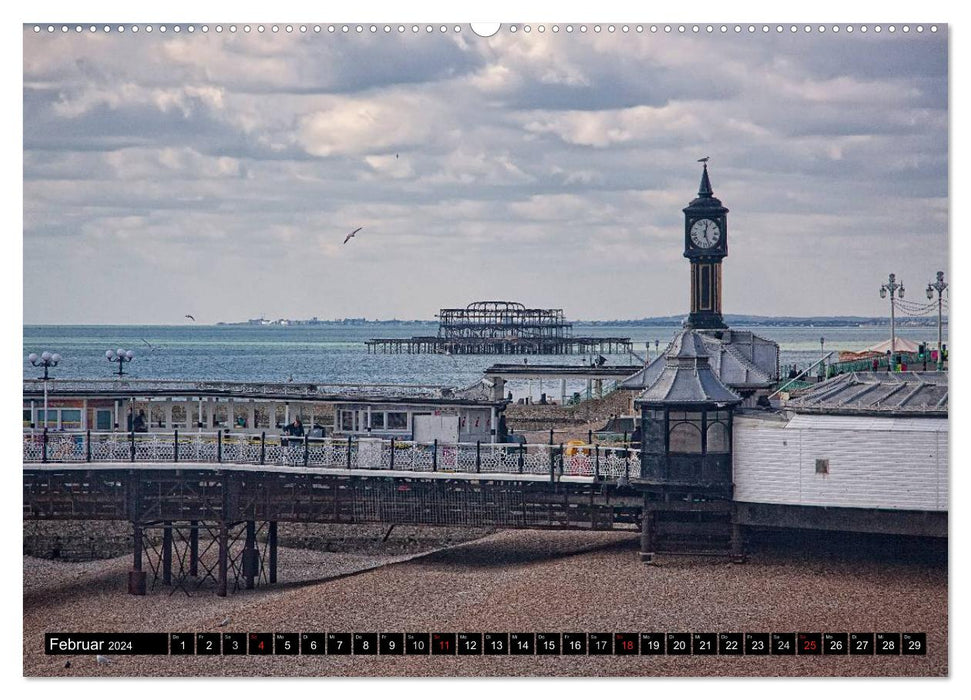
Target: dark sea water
pixel 337 354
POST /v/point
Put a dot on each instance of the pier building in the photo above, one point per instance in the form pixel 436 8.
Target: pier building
pixel 254 408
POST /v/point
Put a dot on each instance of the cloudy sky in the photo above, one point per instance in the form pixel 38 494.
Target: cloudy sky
pixel 217 174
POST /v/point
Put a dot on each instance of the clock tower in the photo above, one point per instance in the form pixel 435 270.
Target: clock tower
pixel 705 245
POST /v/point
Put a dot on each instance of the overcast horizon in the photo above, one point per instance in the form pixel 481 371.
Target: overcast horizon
pixel 218 174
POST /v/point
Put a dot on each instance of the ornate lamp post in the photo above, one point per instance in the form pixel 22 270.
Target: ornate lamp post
pixel 940 285
pixel 121 356
pixel 45 360
pixel 893 287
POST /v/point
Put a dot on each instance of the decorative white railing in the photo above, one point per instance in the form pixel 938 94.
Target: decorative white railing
pixel 42 446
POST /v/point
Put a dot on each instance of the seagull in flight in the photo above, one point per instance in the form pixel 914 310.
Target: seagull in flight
pixel 352 234
pixel 190 316
pixel 151 347
pixel 704 160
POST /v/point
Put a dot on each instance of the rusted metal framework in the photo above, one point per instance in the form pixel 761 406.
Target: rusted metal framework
pixel 502 319
pixel 501 328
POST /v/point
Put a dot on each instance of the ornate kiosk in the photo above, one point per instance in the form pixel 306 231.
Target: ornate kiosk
pixel 686 458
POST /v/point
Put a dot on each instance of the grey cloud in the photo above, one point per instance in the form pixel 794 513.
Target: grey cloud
pixel 530 166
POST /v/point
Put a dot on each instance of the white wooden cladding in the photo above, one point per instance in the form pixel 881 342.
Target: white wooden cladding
pixel 899 464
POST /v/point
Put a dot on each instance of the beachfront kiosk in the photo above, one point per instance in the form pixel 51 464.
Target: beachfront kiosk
pixel 686 457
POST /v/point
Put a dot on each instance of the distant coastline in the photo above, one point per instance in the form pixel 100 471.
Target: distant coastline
pixel 734 320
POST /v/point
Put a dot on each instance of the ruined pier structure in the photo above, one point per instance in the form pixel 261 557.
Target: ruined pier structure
pixel 502 328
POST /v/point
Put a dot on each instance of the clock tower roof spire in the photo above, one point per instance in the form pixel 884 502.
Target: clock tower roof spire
pixel 705 189
pixel 706 201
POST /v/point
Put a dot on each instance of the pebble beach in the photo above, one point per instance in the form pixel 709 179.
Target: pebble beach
pixel 526 581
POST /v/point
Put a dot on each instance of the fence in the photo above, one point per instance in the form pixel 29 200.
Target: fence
pixel 365 453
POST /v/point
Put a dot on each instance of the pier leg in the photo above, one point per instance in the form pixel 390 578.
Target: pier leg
pixel 647 536
pixel 250 556
pixel 167 553
pixel 738 545
pixel 137 577
pixel 193 548
pixel 272 547
pixel 223 559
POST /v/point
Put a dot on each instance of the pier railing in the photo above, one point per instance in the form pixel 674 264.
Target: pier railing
pixel 255 389
pixel 50 447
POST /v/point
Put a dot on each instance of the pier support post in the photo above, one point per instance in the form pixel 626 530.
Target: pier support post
pixel 738 545
pixel 137 577
pixel 271 545
pixel 193 548
pixel 251 558
pixel 167 553
pixel 222 574
pixel 647 536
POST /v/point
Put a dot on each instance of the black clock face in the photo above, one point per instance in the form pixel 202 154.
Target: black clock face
pixel 705 233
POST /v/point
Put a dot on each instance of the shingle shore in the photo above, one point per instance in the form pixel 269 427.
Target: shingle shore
pixel 525 581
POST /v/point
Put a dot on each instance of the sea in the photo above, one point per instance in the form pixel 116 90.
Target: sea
pixel 336 353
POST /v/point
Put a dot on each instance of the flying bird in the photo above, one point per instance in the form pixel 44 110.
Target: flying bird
pixel 152 347
pixel 704 160
pixel 190 316
pixel 352 234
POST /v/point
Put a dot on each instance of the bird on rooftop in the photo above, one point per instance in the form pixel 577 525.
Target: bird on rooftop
pixel 352 234
pixel 704 160
pixel 67 664
pixel 224 622
pixel 102 659
pixel 190 316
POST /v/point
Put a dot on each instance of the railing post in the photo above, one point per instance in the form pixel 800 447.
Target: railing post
pixel 392 454
pixel 551 437
pixel 306 449
pixel 589 437
pixel 478 456
pixel 219 446
pixel 596 461
pixel 132 438
pixel 348 451
pixel 561 459
pixel 552 466
pixel 176 446
pixel 87 450
pixel 435 455
pixel 522 453
pixel 263 447
pixel 43 454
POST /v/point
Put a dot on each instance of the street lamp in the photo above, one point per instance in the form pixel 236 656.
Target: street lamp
pixel 121 356
pixel 822 353
pixel 45 360
pixel 940 285
pixel 893 287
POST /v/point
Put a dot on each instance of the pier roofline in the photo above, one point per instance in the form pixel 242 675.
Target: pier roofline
pixel 329 392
